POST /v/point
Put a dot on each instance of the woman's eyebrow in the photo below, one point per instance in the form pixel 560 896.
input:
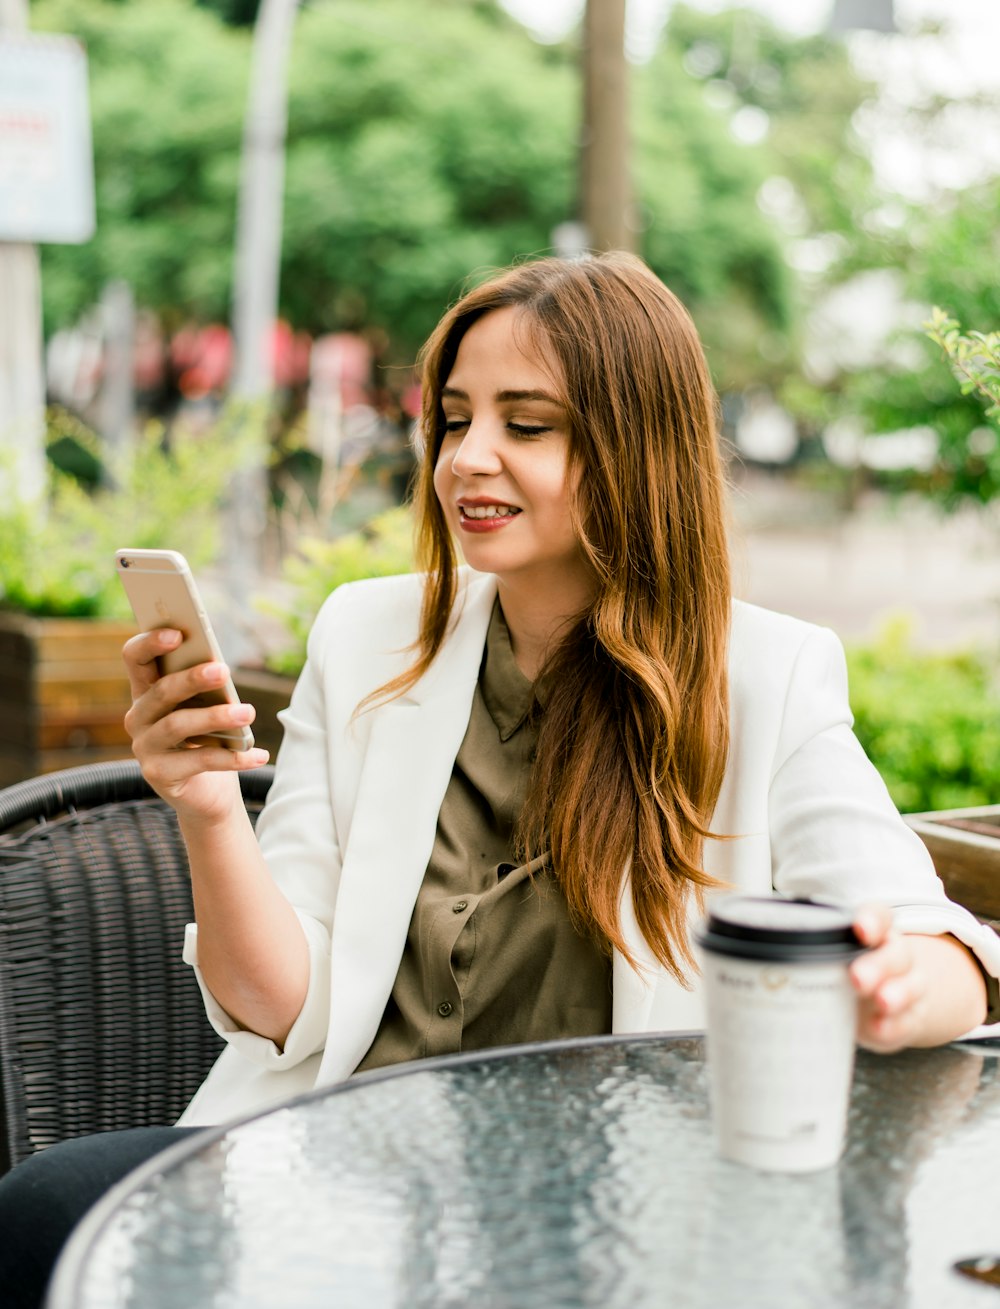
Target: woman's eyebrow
pixel 504 397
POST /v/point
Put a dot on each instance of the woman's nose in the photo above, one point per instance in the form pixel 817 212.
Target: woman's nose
pixel 476 452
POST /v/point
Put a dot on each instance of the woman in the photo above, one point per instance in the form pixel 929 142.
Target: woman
pixel 505 789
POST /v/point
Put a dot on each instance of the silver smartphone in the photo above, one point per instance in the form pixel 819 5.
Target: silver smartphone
pixel 162 593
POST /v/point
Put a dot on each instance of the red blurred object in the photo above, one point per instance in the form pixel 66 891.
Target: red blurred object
pixel 411 400
pixel 150 353
pixel 290 353
pixel 342 363
pixel 202 358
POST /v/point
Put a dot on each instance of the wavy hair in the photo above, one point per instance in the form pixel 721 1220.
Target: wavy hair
pixel 634 736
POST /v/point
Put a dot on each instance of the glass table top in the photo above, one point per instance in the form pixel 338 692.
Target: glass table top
pixel 571 1174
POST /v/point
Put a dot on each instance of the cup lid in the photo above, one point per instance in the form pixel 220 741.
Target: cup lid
pixel 774 927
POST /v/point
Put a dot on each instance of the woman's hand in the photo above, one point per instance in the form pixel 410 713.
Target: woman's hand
pixel 197 780
pixel 252 950
pixel 912 990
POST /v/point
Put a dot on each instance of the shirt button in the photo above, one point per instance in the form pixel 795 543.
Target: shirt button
pixel 445 1008
pixel 459 906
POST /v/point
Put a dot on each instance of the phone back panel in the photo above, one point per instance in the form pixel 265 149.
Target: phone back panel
pixel 162 593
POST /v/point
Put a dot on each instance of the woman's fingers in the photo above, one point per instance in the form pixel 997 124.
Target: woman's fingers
pixel 171 722
pixel 873 924
pixel 167 772
pixel 164 694
pixel 897 995
pixel 872 970
pixel 889 1021
pixel 891 994
pixel 140 654
pixel 176 729
pixel 887 984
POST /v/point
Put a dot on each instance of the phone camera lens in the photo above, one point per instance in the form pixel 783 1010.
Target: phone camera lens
pixel 126 563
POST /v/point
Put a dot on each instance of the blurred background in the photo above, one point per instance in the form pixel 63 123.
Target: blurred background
pixel 249 216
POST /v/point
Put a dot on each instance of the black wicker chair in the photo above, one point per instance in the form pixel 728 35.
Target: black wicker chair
pixel 101 1023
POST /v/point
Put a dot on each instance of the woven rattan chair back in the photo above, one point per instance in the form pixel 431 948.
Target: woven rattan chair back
pixel 101 1023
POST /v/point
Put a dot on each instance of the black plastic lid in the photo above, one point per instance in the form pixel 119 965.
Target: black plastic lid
pixel 775 928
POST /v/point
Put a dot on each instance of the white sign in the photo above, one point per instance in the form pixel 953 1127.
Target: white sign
pixel 46 159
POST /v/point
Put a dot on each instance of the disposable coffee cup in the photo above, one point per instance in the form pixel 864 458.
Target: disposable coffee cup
pixel 781 1023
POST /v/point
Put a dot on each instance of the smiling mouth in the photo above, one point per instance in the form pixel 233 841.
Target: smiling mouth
pixel 477 512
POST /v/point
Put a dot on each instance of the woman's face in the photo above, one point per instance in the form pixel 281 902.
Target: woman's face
pixel 502 473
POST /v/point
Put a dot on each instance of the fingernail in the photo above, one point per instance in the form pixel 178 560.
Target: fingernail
pixel 168 636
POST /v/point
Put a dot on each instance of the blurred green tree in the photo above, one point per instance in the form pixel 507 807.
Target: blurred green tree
pixel 823 194
pixel 951 260
pixel 702 228
pixel 423 143
pixel 238 13
pixel 796 98
pixel 797 95
pixel 167 91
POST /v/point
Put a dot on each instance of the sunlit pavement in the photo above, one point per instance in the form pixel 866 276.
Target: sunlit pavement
pixel 795 553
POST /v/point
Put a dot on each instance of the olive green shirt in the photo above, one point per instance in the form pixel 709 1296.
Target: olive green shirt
pixel 491 957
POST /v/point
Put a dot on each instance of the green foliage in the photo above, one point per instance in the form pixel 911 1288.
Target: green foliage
pixel 969 462
pixel 57 559
pixel 810 93
pixel 167 92
pixel 950 260
pixel 424 143
pixel 238 13
pixel 382 548
pixel 930 722
pixel 974 358
pixel 815 179
pixel 703 231
pixel 414 156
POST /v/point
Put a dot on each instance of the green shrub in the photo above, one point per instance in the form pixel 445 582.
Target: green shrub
pixel 57 556
pixel 974 357
pixel 929 721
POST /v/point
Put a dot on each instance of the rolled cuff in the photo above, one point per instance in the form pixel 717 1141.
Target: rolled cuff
pixel 308 1033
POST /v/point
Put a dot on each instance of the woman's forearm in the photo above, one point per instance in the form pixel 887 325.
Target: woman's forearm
pixel 252 950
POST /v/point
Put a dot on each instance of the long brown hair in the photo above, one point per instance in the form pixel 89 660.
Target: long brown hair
pixel 635 733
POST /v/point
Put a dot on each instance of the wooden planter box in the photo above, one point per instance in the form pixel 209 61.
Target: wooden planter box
pixel 63 693
pixel 269 693
pixel 965 847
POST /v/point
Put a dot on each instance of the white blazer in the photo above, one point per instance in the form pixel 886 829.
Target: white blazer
pixel 350 822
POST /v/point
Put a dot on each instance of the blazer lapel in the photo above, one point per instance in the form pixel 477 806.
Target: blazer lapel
pixel 408 764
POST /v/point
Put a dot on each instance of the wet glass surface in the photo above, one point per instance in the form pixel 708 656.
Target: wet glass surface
pixel 574 1176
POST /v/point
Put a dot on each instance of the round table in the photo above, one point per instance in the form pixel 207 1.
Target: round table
pixel 577 1173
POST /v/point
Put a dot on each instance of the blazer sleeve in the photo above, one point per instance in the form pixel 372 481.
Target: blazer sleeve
pixel 298 839
pixel 835 832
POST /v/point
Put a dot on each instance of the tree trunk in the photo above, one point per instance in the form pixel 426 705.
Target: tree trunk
pixel 606 190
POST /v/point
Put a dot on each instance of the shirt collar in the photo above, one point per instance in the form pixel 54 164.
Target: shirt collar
pixel 507 693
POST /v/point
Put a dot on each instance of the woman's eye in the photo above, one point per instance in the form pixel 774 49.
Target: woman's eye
pixel 528 429
pixel 455 424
